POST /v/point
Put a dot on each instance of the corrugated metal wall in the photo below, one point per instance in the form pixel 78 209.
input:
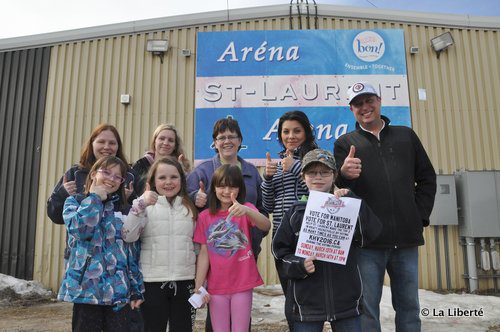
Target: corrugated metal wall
pixel 23 84
pixel 458 124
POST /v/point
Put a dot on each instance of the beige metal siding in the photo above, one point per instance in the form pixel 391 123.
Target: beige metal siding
pixel 458 124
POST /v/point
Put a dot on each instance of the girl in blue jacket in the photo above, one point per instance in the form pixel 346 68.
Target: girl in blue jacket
pixel 102 277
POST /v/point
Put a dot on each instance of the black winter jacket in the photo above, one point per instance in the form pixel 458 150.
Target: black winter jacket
pixel 397 181
pixel 333 291
pixel 55 203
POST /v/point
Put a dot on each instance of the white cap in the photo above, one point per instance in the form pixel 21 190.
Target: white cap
pixel 360 88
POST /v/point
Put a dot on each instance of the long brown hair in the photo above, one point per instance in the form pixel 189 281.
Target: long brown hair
pixel 87 157
pixel 178 150
pixel 186 201
pixel 226 175
pixel 108 162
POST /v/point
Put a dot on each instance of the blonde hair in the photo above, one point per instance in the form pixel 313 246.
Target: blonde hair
pixel 178 149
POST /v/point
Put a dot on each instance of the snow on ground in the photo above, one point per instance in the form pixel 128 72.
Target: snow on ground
pixel 13 290
pixel 445 312
pixel 439 312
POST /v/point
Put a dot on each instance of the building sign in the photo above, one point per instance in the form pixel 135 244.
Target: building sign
pixel 256 76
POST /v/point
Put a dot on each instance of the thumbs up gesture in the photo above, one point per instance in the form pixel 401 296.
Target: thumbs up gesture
pixel 201 196
pixel 351 169
pixel 237 209
pixel 69 186
pixel 150 197
pixel 271 166
pixel 288 161
pixel 99 190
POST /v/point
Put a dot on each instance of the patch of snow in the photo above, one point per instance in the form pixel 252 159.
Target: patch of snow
pixel 14 290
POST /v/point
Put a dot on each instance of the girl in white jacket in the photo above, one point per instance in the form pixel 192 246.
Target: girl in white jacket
pixel 163 218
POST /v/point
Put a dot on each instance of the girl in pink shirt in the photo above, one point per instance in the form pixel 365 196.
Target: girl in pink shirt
pixel 226 259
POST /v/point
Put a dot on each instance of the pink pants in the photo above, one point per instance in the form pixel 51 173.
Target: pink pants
pixel 231 312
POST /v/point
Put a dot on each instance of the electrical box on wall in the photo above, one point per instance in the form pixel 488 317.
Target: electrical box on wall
pixel 478 198
pixel 125 99
pixel 445 204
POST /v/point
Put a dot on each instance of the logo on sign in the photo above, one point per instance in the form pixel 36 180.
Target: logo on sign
pixel 333 205
pixel 368 46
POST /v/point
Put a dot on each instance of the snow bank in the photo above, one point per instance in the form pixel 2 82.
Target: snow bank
pixel 18 291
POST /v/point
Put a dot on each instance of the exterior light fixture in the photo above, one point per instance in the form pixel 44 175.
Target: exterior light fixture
pixel 157 47
pixel 442 42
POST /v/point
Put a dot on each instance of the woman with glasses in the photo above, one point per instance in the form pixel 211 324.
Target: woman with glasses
pixel 283 184
pixel 165 142
pixel 227 140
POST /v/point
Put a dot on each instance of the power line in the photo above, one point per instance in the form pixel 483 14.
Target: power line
pixel 371 3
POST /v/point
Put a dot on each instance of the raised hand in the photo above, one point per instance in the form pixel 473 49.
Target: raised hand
pixel 150 197
pixel 271 166
pixel 309 265
pixel 201 196
pixel 288 161
pixel 69 186
pixel 351 169
pixel 129 190
pixel 341 192
pixel 237 209
pixel 99 190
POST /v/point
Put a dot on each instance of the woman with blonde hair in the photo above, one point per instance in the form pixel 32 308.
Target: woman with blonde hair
pixel 164 142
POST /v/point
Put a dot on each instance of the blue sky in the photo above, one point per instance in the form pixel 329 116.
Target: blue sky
pixel 28 17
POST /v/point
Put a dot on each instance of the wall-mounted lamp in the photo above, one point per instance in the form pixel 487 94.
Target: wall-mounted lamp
pixel 441 42
pixel 186 52
pixel 413 49
pixel 157 47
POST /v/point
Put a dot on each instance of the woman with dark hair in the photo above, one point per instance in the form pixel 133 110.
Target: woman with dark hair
pixel 283 184
pixel 164 142
pixel 103 141
pixel 227 140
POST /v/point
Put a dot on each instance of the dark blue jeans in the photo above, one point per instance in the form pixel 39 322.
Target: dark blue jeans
pixel 344 325
pixel 402 267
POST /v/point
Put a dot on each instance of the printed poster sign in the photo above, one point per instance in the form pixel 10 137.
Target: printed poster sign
pixel 256 76
pixel 328 227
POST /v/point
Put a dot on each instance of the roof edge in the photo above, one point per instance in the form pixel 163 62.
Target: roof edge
pixel 221 16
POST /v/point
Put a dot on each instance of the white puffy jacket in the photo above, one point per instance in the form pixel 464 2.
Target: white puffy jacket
pixel 166 234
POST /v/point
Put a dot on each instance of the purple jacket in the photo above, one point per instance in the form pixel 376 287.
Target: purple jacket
pixel 251 177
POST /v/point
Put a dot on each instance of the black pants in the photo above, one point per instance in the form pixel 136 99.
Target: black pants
pixel 167 303
pixel 284 281
pixel 91 317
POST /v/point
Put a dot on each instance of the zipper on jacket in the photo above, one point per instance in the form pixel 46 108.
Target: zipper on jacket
pixel 329 305
pixel 84 269
pixel 391 199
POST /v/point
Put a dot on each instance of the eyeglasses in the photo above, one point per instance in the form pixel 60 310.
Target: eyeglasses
pixel 224 138
pixel 324 174
pixel 111 176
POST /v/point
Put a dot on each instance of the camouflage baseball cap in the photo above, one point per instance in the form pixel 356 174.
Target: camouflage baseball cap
pixel 321 156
